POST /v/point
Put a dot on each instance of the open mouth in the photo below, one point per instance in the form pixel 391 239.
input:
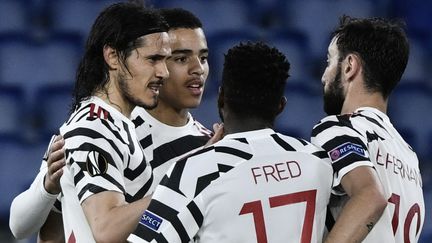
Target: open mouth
pixel 155 86
pixel 196 86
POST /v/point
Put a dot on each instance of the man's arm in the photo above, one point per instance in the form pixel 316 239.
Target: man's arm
pixel 111 219
pixel 52 231
pixel 30 209
pixel 363 209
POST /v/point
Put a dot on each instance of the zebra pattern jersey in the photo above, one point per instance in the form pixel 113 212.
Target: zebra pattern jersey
pixel 367 138
pixel 256 186
pixel 102 154
pixel 163 144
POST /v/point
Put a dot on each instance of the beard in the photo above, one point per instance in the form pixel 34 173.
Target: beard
pixel 125 92
pixel 334 98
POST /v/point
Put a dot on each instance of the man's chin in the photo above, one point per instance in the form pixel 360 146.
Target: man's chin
pixel 148 105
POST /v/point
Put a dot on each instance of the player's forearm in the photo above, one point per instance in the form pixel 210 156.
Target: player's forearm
pixel 119 222
pixel 358 217
pixel 30 209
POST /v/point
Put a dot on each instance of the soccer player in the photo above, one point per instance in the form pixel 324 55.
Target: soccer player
pixel 253 185
pixel 377 188
pixel 173 131
pixel 106 175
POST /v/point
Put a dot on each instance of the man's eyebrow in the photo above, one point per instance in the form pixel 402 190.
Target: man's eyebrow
pixel 157 56
pixel 181 51
pixel 188 51
pixel 202 51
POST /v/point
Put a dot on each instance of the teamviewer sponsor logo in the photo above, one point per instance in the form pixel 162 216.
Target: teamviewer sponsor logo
pixel 346 149
pixel 150 220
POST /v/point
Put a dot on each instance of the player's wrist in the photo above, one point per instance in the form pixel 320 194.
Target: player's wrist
pixel 51 187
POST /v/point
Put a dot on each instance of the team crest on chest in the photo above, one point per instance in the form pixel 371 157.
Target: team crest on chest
pixel 96 163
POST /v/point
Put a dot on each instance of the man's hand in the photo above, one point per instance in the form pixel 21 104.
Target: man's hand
pixel 55 161
pixel 218 134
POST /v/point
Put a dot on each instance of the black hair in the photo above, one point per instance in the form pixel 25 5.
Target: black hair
pixel 180 18
pixel 382 46
pixel 119 26
pixel 253 80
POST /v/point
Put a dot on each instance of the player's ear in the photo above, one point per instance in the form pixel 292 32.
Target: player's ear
pixel 352 66
pixel 282 105
pixel 111 57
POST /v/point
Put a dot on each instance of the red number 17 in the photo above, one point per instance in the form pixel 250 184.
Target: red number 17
pixel 255 207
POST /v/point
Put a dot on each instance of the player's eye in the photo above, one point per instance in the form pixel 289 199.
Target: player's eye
pixel 181 59
pixel 203 59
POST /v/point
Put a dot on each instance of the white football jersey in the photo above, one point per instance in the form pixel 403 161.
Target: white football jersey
pixel 367 138
pixel 163 144
pixel 102 154
pixel 257 186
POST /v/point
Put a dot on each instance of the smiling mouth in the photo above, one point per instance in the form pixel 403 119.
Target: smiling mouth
pixel 196 83
pixel 155 86
pixel 195 86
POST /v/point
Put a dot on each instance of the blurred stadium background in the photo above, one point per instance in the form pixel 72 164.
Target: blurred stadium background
pixel 41 42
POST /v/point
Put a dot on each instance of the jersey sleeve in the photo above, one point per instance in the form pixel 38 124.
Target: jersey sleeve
pixel 173 214
pixel 95 155
pixel 30 208
pixel 344 144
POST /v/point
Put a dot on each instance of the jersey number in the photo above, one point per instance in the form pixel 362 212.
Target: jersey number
pixel 415 209
pixel 255 207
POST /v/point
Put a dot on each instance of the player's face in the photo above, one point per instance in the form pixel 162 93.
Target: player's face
pixel 188 69
pixel 334 95
pixel 147 70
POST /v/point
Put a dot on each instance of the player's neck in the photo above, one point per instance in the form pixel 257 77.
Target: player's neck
pixel 112 97
pixel 235 125
pixel 170 115
pixel 356 100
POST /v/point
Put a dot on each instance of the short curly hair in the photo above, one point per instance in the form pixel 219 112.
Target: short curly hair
pixel 253 80
pixel 382 45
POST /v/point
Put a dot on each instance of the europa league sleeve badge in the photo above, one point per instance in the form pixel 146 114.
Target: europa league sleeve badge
pixel 96 164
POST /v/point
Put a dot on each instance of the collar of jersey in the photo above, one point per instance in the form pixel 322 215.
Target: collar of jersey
pixel 108 107
pixel 377 112
pixel 250 134
pixel 155 122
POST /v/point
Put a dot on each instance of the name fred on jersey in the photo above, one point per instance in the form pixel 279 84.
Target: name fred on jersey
pixel 276 172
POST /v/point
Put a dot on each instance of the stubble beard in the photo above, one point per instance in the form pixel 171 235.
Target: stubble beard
pixel 334 98
pixel 134 101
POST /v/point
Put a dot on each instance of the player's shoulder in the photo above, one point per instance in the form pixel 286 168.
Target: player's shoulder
pixel 225 153
pixel 222 149
pixel 192 174
pixel 345 122
pixel 296 143
pixel 93 116
pixel 340 120
pixel 301 146
pixel 141 118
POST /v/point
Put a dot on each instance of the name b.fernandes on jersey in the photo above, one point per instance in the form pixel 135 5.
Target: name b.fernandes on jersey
pixel 398 167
